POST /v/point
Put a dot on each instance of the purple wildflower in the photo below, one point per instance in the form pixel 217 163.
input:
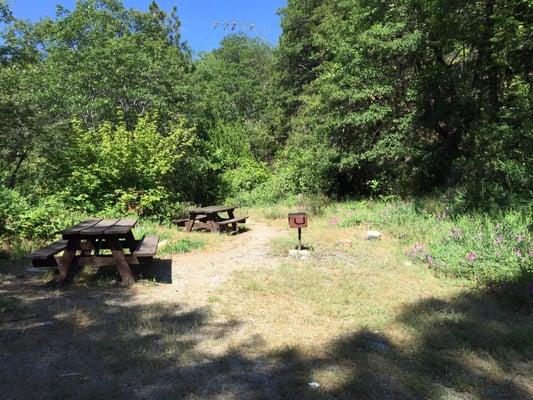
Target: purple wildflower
pixel 471 256
pixel 498 254
pixel 499 239
pixel 430 259
pixel 518 253
pixel 334 221
pixel 498 226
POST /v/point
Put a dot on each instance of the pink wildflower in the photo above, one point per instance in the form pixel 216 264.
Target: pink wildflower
pixel 334 221
pixel 499 239
pixel 417 247
pixel 518 253
pixel 471 256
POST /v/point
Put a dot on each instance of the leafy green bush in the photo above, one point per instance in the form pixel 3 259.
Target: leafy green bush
pixel 12 204
pixel 274 190
pixel 495 173
pixel 124 169
pixel 249 175
pixel 41 219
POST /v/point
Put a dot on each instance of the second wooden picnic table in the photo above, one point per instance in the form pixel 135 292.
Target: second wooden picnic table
pixel 209 218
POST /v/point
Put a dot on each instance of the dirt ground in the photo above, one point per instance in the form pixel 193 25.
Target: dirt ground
pixel 104 341
pixel 196 275
pixel 240 320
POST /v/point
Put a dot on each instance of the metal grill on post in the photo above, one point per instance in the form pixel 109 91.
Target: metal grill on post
pixel 298 220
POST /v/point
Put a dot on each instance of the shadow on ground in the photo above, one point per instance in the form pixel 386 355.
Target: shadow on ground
pixel 102 343
pixel 158 271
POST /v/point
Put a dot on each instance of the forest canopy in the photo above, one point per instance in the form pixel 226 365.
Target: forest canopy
pixel 105 110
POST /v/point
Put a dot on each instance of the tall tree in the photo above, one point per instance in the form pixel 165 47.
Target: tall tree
pixel 99 62
pixel 402 95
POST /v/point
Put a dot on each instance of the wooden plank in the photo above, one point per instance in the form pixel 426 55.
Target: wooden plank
pixel 212 226
pixel 76 229
pixel 106 260
pixel 66 260
pixel 180 222
pixel 147 246
pixel 46 263
pixel 211 209
pixel 233 220
pixel 121 262
pixel 99 228
pixel 123 226
pixel 48 251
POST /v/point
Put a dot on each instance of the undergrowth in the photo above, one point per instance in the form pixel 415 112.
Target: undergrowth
pixel 490 249
pixel 184 245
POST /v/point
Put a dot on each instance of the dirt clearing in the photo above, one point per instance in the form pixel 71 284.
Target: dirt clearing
pixel 235 321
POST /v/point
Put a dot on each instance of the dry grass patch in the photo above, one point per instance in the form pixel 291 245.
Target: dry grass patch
pixel 363 320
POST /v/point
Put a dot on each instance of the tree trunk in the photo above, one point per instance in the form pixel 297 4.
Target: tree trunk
pixel 13 177
pixel 491 73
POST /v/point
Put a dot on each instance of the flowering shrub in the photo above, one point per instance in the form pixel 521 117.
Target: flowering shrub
pixel 485 248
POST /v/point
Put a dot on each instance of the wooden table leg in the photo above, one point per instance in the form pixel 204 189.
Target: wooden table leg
pixel 234 225
pixel 121 262
pixel 131 242
pixel 66 260
pixel 190 223
pixel 213 226
pixel 211 222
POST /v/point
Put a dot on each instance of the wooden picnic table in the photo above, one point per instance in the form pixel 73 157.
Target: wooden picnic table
pixel 83 243
pixel 209 218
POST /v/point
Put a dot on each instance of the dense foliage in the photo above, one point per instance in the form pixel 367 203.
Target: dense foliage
pixel 104 109
pixel 412 95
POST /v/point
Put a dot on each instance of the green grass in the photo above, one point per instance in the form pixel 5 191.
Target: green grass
pixel 184 245
pixel 480 247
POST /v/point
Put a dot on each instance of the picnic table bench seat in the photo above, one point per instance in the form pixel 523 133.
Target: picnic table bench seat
pixel 44 257
pixel 147 247
pixel 233 221
pixel 183 221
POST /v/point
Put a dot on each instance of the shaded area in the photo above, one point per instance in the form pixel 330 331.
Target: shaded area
pixel 158 270
pixel 102 342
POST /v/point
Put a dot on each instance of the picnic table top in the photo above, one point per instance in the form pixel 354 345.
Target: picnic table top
pixel 99 227
pixel 211 209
